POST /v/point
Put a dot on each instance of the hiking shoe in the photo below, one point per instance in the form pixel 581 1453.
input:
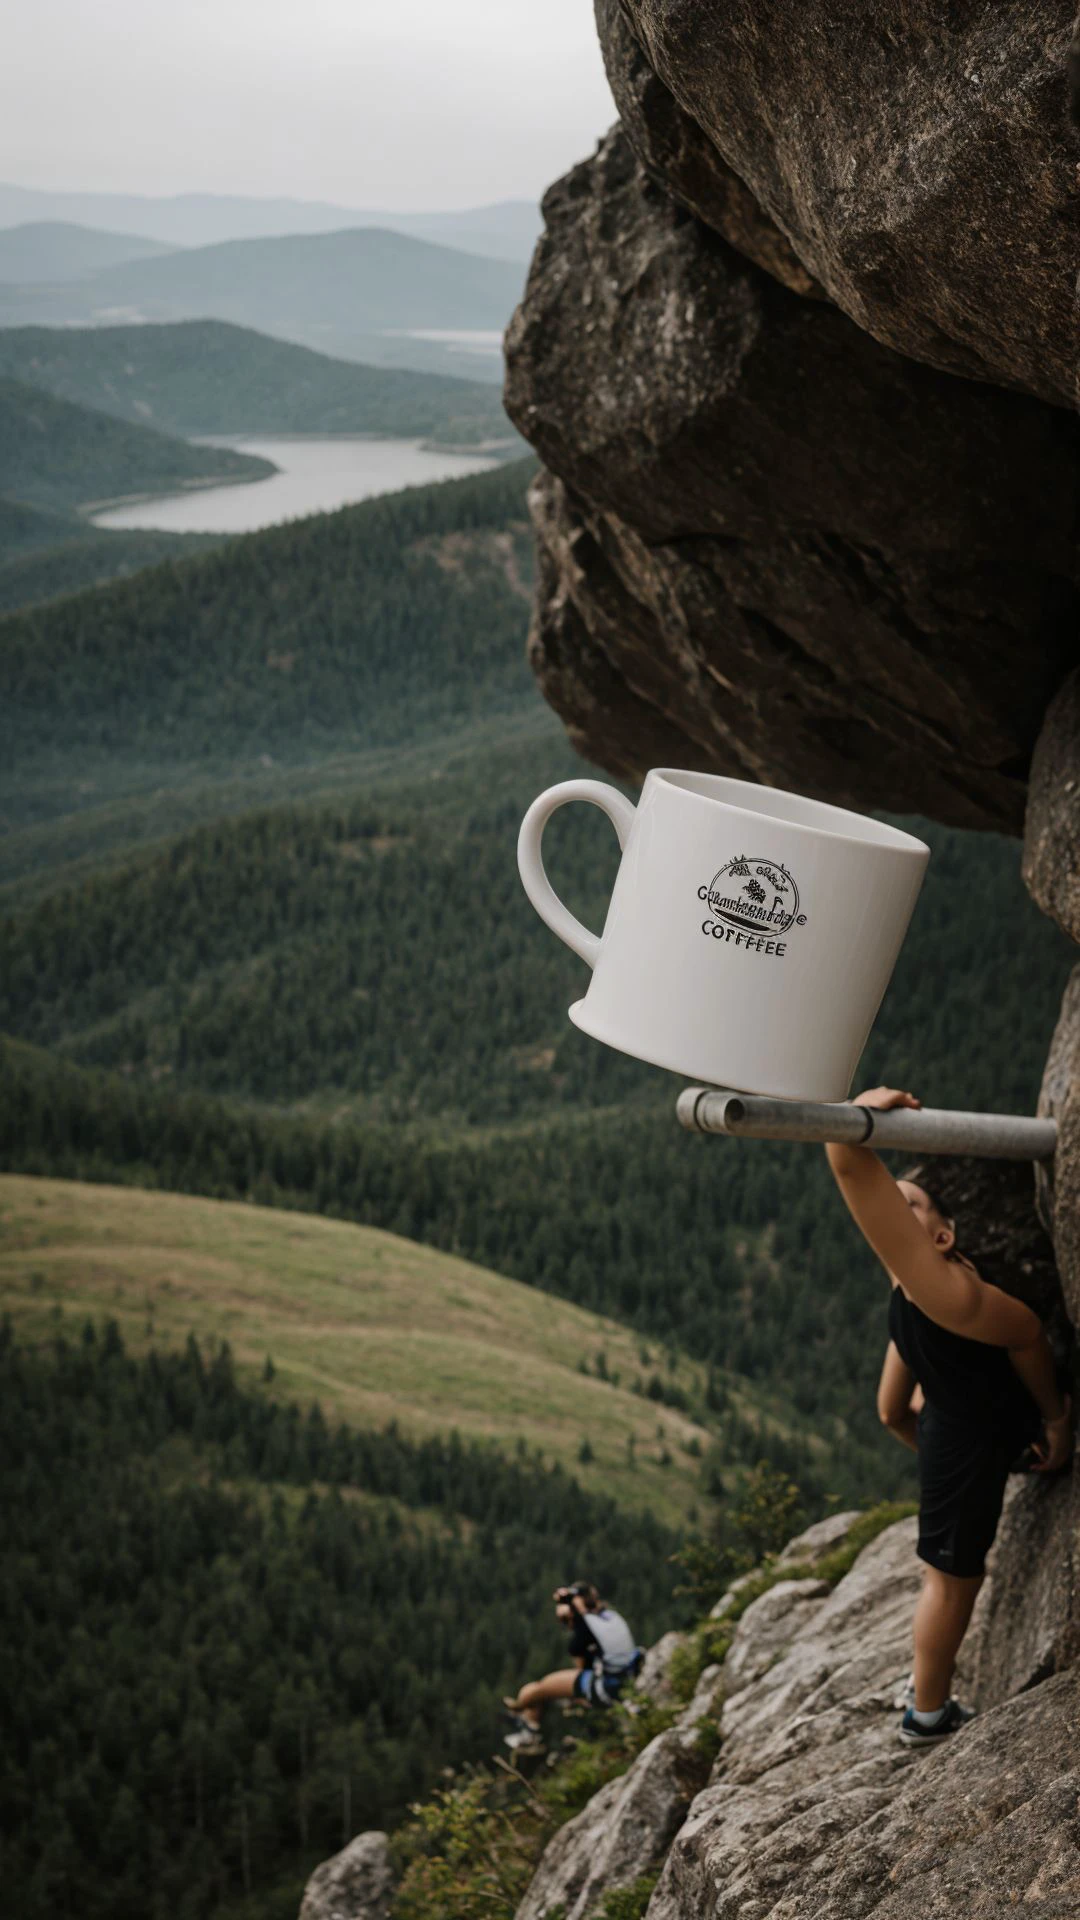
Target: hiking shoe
pixel 525 1740
pixel 953 1718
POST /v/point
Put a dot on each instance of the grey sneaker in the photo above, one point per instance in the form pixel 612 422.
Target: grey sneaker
pixel 525 1740
pixel 953 1719
pixel 906 1696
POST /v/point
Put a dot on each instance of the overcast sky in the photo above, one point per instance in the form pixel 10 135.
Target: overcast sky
pixel 403 104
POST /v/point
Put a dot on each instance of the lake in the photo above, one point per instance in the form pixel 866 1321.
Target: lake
pixel 317 474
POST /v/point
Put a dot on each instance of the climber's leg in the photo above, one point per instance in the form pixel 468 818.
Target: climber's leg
pixel 942 1613
pixel 554 1686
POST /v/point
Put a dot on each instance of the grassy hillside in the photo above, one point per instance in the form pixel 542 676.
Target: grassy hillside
pixel 61 250
pixel 203 376
pixel 373 1327
pixel 60 456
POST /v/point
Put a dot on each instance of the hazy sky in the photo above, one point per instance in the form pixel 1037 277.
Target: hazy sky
pixel 372 103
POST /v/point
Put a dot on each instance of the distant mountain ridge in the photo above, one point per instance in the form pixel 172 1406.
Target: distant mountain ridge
pixel 355 278
pixel 208 376
pixel 505 229
pixel 58 250
pixel 333 292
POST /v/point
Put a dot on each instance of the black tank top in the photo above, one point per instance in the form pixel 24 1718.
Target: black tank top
pixel 963 1378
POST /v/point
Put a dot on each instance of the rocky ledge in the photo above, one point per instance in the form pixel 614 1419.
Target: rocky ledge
pixel 815 1810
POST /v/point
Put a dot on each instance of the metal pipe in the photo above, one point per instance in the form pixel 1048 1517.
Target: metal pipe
pixel 756 1116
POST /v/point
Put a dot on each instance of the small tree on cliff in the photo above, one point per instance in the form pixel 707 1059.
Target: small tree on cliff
pixel 769 1514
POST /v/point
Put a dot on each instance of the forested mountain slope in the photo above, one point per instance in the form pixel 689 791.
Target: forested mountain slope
pixel 375 972
pixel 378 625
pixel 57 455
pixel 242 1627
pixel 348 1004
pixel 204 376
pixel 58 555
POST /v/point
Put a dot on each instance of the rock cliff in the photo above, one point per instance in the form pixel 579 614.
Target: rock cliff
pixel 798 352
pixel 814 1810
pixel 356 1884
pixel 917 159
pixel 770 543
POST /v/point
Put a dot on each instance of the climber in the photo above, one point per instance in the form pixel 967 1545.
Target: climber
pixel 605 1657
pixel 969 1384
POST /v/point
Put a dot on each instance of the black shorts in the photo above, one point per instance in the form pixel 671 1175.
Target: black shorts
pixel 963 1468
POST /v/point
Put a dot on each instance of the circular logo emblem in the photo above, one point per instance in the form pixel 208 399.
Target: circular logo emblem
pixel 755 894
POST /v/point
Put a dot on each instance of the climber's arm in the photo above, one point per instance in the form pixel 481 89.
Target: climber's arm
pixel 1034 1362
pixel 947 1291
pixel 896 1389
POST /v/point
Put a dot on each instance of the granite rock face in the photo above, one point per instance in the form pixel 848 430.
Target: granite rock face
pixel 626 1828
pixel 767 1629
pixel 1052 825
pixel 1030 1622
pixel 919 160
pixel 985 1827
pixel 356 1884
pixel 768 545
pixel 673 148
pixel 654 1680
pixel 815 1811
pixel 1060 1182
pixel 798 352
pixel 817 1541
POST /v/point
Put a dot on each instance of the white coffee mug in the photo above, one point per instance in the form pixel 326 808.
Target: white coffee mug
pixel 751 933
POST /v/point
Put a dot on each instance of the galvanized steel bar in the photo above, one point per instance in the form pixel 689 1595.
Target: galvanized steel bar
pixel 756 1116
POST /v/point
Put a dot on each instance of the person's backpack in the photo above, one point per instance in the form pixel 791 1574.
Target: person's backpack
pixel 619 1655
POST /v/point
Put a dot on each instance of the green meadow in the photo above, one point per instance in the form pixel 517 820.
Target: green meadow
pixel 372 1326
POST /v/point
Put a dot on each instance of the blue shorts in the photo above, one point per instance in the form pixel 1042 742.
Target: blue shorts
pixel 585 1687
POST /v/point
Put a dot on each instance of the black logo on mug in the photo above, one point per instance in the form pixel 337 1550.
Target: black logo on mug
pixel 752 902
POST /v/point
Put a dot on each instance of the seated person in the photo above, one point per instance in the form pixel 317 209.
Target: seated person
pixel 605 1655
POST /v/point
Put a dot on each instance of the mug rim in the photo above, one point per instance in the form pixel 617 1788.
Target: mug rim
pixel 899 841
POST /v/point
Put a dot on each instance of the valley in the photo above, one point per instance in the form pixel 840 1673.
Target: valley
pixel 350 1296
pixel 270 922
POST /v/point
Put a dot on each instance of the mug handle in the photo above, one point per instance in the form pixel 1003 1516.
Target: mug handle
pixel 558 917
